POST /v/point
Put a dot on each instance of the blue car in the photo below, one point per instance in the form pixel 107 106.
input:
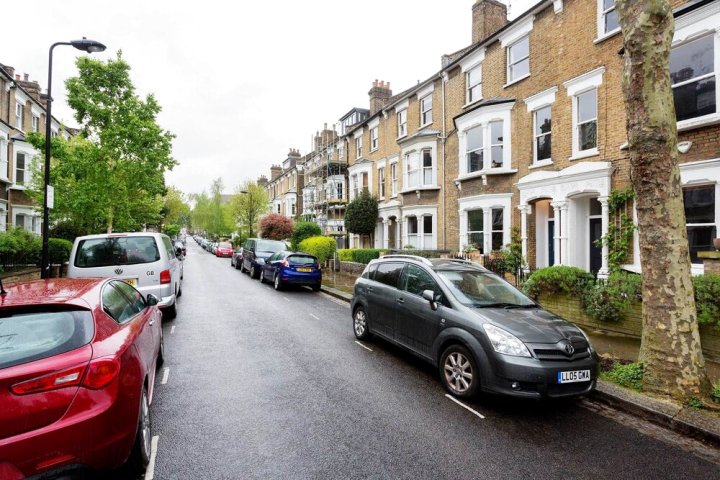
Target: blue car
pixel 292 268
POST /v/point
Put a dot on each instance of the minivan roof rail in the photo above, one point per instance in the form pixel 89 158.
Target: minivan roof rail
pixel 409 257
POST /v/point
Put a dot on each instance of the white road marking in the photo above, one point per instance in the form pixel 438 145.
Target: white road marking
pixel 286 299
pixel 172 330
pixel 366 348
pixel 166 374
pixel 316 318
pixel 463 405
pixel 150 471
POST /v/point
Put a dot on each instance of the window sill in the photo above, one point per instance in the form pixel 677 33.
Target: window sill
pixel 425 125
pixel 373 150
pixel 593 152
pixel 607 35
pixel 705 120
pixel 16 187
pixel 540 164
pixel 517 80
pixel 420 189
pixel 5 180
pixel 401 137
pixel 481 173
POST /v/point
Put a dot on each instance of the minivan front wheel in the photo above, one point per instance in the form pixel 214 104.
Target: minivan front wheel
pixel 458 372
pixel 360 326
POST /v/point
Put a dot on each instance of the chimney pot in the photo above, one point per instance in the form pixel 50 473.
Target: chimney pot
pixel 17 76
pixel 26 77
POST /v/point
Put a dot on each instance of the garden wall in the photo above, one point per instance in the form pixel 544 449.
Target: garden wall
pixel 570 309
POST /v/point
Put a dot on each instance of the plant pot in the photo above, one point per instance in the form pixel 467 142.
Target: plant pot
pixel 716 243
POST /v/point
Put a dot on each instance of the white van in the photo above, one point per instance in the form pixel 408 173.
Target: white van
pixel 145 260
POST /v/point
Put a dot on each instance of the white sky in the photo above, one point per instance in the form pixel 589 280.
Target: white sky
pixel 242 82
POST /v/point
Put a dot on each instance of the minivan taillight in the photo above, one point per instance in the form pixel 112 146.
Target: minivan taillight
pixel 165 276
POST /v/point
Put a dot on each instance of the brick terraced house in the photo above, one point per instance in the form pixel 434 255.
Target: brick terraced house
pixel 525 130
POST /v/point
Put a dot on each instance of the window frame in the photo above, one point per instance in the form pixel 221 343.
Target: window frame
pixel 470 87
pixel 602 13
pixel 19 115
pixel 358 147
pixel 425 111
pixel 381 182
pixel 713 224
pixel 537 136
pixel 18 169
pixel 374 137
pixel 393 179
pixel 714 74
pixel 402 122
pixel 510 64
pixel 577 124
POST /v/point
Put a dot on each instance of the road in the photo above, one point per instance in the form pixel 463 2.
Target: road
pixel 259 384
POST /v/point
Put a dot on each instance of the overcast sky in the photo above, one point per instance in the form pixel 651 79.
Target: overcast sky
pixel 241 82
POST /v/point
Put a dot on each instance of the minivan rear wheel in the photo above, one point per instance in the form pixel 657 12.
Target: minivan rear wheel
pixel 459 372
pixel 360 326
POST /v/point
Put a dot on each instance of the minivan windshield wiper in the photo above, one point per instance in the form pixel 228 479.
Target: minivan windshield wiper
pixel 506 305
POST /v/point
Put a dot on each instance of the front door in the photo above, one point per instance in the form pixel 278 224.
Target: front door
pixel 595 246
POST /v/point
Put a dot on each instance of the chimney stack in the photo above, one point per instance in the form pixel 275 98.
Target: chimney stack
pixel 275 172
pixel 262 181
pixel 379 94
pixel 488 16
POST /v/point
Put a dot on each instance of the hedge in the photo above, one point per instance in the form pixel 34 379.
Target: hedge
pixel 322 247
pixel 59 250
pixel 360 255
pixel 558 279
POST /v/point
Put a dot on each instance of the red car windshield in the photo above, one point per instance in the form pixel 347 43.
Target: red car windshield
pixel 224 245
pixel 26 336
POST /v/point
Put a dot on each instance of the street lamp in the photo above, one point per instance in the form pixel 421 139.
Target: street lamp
pixel 85 45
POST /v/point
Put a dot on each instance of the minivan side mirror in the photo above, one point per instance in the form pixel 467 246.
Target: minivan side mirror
pixel 430 296
pixel 151 300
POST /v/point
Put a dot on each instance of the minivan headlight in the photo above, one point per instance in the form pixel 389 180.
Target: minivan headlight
pixel 505 342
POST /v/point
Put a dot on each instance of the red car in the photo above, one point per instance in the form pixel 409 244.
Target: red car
pixel 77 367
pixel 224 249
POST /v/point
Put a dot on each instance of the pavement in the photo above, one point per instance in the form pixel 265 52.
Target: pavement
pixel 691 422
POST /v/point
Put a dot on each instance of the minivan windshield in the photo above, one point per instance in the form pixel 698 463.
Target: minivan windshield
pixel 269 246
pixel 479 289
pixel 105 252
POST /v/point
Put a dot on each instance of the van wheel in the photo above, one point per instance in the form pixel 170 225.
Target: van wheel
pixel 170 312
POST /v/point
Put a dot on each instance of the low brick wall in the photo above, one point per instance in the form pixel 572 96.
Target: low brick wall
pixel 354 268
pixel 21 276
pixel 570 309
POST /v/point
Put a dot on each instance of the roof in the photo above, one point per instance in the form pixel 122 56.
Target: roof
pixel 70 291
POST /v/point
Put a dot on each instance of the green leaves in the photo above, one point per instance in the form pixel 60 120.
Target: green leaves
pixel 361 215
pixel 111 176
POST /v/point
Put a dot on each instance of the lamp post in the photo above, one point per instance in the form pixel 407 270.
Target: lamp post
pixel 85 45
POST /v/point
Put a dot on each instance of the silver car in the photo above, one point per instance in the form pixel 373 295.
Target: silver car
pixel 145 260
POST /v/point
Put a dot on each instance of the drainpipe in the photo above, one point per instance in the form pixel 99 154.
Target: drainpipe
pixel 443 77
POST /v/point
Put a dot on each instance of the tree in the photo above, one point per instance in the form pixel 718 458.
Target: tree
pixel 112 175
pixel 361 215
pixel 276 227
pixel 200 214
pixel 302 231
pixel 248 204
pixel 218 220
pixel 670 350
pixel 175 208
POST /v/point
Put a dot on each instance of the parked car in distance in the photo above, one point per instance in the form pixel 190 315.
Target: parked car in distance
pixel 477 329
pixel 236 258
pixel 180 250
pixel 77 369
pixel 145 260
pixel 223 249
pixel 292 268
pixel 255 251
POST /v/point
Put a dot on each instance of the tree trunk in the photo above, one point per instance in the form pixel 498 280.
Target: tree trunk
pixel 670 349
pixel 110 220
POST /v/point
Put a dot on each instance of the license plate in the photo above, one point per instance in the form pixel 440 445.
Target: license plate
pixel 573 376
pixel 302 269
pixel 130 281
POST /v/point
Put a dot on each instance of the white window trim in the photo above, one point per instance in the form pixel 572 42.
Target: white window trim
pixel 542 99
pixel 467 86
pixel 359 169
pixel 486 203
pixel 483 117
pixel 374 138
pixel 394 187
pixel 425 91
pixel 421 106
pixel 574 87
pixel 507 63
pixel 4 142
pixel 358 147
pixel 601 33
pixel 419 147
pixel 404 133
pixel 516 32
pixel 419 212
pixel 381 174
pixel 544 161
pixel 703 21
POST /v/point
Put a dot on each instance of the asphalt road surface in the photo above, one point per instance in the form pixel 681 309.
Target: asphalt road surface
pixel 259 384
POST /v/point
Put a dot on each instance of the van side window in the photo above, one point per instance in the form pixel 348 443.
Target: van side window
pixel 389 273
pixel 168 247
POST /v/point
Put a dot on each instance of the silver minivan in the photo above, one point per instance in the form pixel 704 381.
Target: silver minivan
pixel 145 260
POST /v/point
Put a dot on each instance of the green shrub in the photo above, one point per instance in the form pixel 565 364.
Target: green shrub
pixel 609 300
pixel 20 247
pixel 715 393
pixel 59 250
pixel 629 376
pixel 364 255
pixel 707 298
pixel 345 254
pixel 558 279
pixel 322 247
pixel 303 230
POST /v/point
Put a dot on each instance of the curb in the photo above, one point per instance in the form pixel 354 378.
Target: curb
pixel 686 421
